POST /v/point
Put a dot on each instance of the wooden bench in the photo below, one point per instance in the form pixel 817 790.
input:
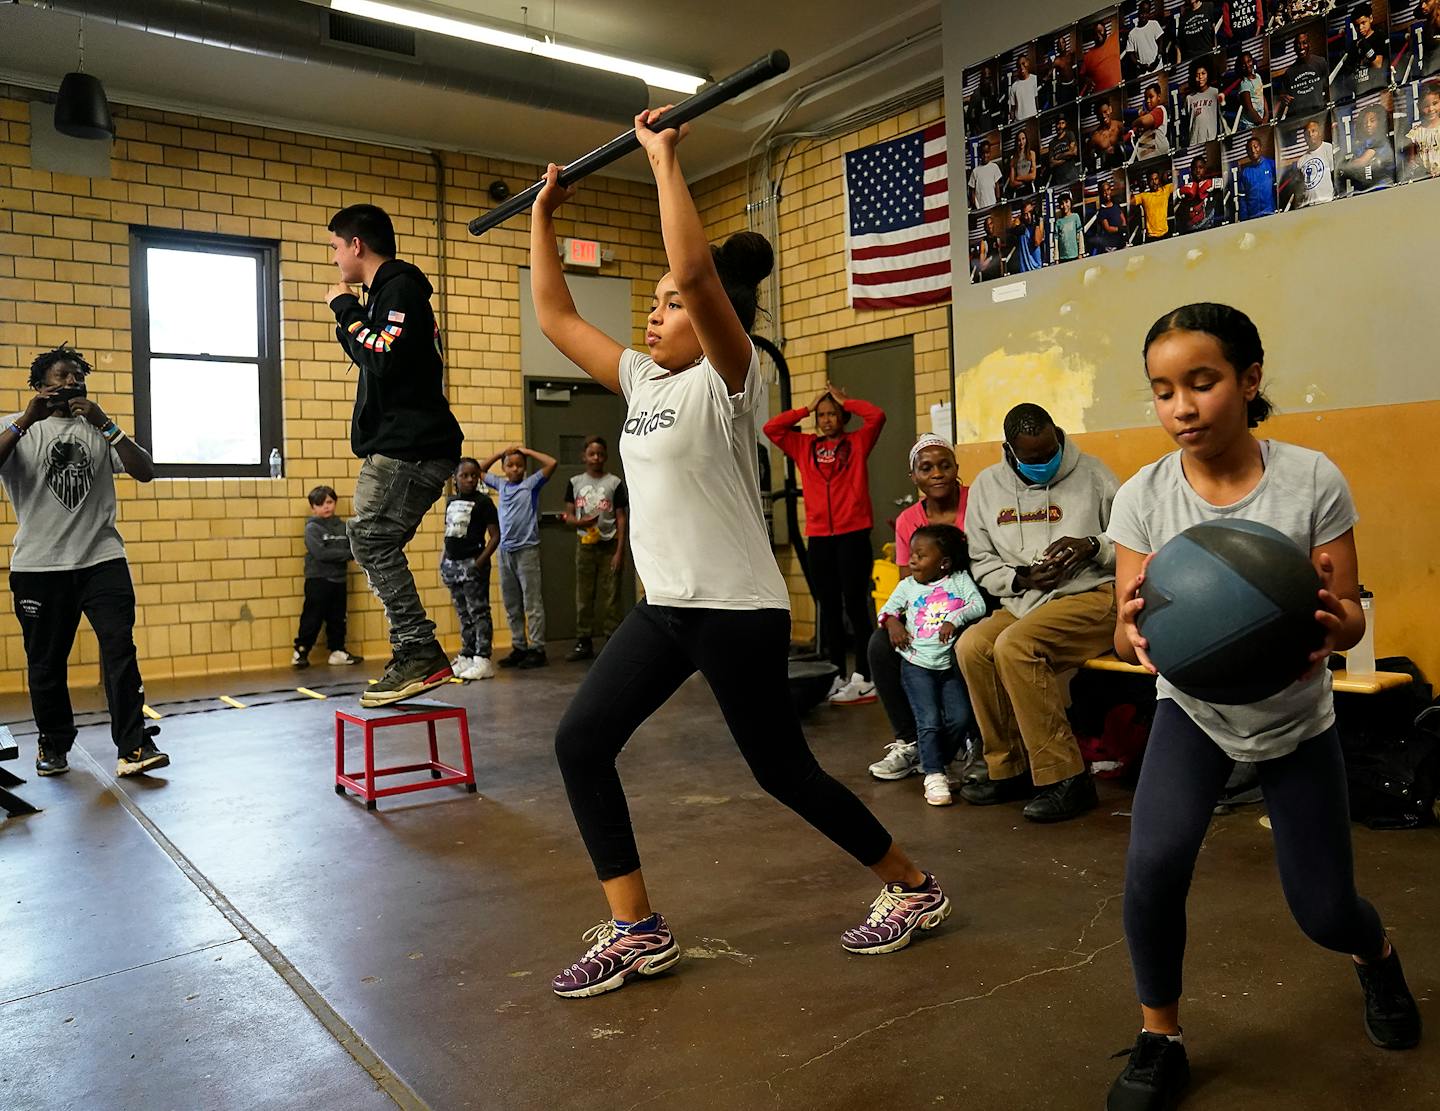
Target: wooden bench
pixel 1368 682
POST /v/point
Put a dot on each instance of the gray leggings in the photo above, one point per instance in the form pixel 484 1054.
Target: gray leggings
pixel 1180 780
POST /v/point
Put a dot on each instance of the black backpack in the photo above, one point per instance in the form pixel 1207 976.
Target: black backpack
pixel 1392 754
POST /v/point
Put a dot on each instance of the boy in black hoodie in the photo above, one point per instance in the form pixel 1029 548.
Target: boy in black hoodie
pixel 402 428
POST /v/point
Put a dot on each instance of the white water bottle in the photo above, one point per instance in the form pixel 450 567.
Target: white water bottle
pixel 275 462
pixel 1361 658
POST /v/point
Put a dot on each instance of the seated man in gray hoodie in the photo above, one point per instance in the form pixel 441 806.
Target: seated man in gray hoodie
pixel 1036 524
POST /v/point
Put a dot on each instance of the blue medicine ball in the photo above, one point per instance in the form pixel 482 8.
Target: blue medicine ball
pixel 1230 611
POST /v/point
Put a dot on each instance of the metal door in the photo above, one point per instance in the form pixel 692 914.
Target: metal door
pixel 560 416
pixel 883 373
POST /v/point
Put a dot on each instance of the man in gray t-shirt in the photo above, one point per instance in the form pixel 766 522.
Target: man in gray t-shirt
pixel 1303 495
pixel 58 461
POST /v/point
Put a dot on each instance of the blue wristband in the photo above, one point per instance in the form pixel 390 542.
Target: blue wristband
pixel 15 428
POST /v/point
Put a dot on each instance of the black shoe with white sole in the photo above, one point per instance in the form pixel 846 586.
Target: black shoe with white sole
pixel 144 759
pixel 408 676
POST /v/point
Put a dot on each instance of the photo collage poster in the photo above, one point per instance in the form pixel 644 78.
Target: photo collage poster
pixel 1156 118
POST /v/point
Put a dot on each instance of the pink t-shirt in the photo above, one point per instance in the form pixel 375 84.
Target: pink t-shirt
pixel 913 518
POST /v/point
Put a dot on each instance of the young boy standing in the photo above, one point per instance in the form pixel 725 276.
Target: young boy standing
pixel 472 533
pixel 597 505
pixel 327 553
pixel 520 549
pixel 402 428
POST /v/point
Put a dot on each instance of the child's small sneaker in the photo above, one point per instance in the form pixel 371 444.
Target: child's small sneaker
pixel 937 789
pixel 901 759
pixel 895 916
pixel 408 676
pixel 617 953
pixel 460 665
pixel 837 687
pixel 858 691
pixel 340 657
pixel 481 667
pixel 300 659
pixel 534 657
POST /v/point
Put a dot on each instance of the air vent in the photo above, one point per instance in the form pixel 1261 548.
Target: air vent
pixel 368 34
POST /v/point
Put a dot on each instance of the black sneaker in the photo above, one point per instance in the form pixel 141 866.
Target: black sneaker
pixel 1392 1020
pixel 1064 800
pixel 534 657
pixel 409 675
pixel 583 650
pixel 515 657
pixel 1153 1078
pixel 300 659
pixel 48 762
pixel 143 759
pixel 991 792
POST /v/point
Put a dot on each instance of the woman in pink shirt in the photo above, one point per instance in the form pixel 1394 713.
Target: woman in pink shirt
pixel 942 502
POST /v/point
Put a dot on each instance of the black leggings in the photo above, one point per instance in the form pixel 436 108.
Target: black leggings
pixel 841 568
pixel 743 655
pixel 1305 794
pixel 885 674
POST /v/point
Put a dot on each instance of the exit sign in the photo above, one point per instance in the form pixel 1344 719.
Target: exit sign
pixel 582 252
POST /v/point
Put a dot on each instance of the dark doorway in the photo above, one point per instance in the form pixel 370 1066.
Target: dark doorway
pixel 883 373
pixel 560 416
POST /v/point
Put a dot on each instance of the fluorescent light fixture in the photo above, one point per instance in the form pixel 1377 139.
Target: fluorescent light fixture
pixel 476 32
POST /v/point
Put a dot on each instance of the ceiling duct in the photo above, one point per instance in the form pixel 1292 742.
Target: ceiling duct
pixel 302 32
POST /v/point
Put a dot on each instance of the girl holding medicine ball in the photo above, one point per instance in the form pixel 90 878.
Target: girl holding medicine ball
pixel 1204 363
pixel 715 599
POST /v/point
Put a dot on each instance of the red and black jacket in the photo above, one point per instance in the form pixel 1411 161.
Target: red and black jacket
pixel 833 473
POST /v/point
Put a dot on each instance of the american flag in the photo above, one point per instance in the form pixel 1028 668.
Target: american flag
pixel 897 222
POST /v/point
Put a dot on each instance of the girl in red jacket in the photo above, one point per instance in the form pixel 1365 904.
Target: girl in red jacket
pixel 836 485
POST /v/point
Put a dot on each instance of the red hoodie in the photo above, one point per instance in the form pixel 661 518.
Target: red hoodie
pixel 833 473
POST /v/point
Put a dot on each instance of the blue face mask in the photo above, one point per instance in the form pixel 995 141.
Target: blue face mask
pixel 1040 473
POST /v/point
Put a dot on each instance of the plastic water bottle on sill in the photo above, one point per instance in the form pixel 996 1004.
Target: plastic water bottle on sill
pixel 276 464
pixel 1361 658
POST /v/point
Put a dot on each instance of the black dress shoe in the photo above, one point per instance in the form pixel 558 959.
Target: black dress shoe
pixel 991 792
pixel 1060 801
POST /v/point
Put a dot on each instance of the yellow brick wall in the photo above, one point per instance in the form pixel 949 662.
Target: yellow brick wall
pixel 814 293
pixel 218 563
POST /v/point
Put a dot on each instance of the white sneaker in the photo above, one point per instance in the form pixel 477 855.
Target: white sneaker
pixel 857 691
pixel 461 664
pixel 837 687
pixel 340 656
pixel 937 789
pixel 480 667
pixel 900 759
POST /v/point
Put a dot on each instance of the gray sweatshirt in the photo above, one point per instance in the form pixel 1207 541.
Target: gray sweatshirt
pixel 327 549
pixel 1010 522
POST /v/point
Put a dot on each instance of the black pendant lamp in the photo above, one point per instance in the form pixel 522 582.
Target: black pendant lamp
pixel 81 109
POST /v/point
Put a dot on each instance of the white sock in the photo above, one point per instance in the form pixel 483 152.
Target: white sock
pixel 1177 1038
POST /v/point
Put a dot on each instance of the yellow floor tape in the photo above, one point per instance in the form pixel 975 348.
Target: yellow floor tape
pixel 149 713
pixel 308 691
pixel 225 698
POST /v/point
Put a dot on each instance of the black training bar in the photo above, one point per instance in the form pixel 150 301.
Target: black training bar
pixel 756 73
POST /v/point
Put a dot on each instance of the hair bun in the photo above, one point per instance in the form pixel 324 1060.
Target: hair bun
pixel 748 257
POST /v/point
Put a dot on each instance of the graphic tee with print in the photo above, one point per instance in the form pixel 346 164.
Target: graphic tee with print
pixel 61 480
pixel 692 467
pixel 925 607
pixel 601 496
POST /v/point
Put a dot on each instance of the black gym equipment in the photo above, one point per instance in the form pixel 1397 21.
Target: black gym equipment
pixel 756 73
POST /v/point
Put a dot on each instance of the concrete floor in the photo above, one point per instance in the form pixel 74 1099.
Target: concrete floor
pixel 230 934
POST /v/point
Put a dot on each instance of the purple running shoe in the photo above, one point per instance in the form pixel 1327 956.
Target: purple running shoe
pixel 895 916
pixel 615 955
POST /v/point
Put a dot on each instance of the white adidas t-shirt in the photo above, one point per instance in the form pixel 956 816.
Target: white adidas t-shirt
pixel 692 469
